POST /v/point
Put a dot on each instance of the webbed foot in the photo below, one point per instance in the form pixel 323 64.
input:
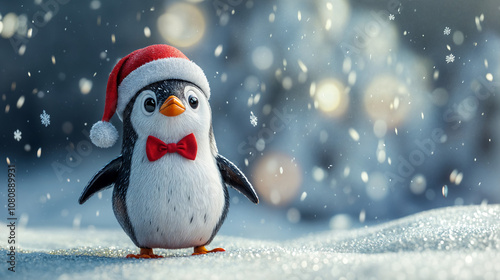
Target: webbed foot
pixel 145 253
pixel 201 250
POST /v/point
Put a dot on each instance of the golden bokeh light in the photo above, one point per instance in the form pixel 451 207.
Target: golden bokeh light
pixel 279 178
pixel 331 97
pixel 387 99
pixel 182 25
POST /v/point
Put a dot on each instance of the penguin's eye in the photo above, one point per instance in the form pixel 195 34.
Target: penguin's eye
pixel 149 105
pixel 193 102
pixel 147 102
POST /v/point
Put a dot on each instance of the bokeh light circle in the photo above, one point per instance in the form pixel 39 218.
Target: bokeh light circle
pixel 331 97
pixel 278 178
pixel 334 15
pixel 262 57
pixel 387 99
pixel 182 25
pixel 418 184
pixel 377 187
pixel 9 25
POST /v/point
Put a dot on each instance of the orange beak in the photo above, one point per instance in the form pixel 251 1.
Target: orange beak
pixel 172 107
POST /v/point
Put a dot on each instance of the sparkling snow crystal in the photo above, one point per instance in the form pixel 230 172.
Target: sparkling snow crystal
pixel 450 58
pixel 253 119
pixel 447 31
pixel 392 17
pixel 17 135
pixel 45 118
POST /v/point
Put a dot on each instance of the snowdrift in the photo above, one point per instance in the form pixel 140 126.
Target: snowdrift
pixel 448 243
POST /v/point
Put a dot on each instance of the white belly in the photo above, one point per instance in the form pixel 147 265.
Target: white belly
pixel 174 202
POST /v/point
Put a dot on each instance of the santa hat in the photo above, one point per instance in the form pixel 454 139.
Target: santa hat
pixel 135 71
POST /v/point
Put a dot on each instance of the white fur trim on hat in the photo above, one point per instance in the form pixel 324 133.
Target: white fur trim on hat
pixel 103 134
pixel 159 70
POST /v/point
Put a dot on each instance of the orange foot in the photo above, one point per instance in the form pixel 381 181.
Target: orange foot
pixel 145 254
pixel 201 250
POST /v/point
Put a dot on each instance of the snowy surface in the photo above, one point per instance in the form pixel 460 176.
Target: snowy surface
pixel 448 243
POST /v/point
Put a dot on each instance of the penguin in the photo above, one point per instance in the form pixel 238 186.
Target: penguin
pixel 169 182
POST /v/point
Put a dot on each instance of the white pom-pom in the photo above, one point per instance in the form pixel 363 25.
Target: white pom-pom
pixel 103 134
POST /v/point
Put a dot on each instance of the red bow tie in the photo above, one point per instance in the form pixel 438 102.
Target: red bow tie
pixel 187 147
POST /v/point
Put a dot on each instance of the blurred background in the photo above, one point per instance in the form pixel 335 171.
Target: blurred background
pixel 342 113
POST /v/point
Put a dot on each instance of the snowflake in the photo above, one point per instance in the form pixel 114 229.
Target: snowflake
pixel 391 17
pixel 45 118
pixel 450 58
pixel 447 31
pixel 17 135
pixel 253 119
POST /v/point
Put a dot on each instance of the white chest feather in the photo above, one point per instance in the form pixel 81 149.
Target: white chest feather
pixel 174 202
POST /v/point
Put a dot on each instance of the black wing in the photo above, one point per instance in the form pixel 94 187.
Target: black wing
pixel 102 179
pixel 233 177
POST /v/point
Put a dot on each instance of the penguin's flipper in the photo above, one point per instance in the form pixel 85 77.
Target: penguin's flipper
pixel 233 177
pixel 102 179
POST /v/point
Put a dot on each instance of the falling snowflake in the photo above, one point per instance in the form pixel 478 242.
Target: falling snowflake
pixel 391 17
pixel 253 119
pixel 45 118
pixel 450 58
pixel 447 31
pixel 17 135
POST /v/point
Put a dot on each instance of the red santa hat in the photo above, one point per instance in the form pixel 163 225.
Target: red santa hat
pixel 135 71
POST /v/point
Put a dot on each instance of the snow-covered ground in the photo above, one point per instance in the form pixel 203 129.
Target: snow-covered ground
pixel 448 243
